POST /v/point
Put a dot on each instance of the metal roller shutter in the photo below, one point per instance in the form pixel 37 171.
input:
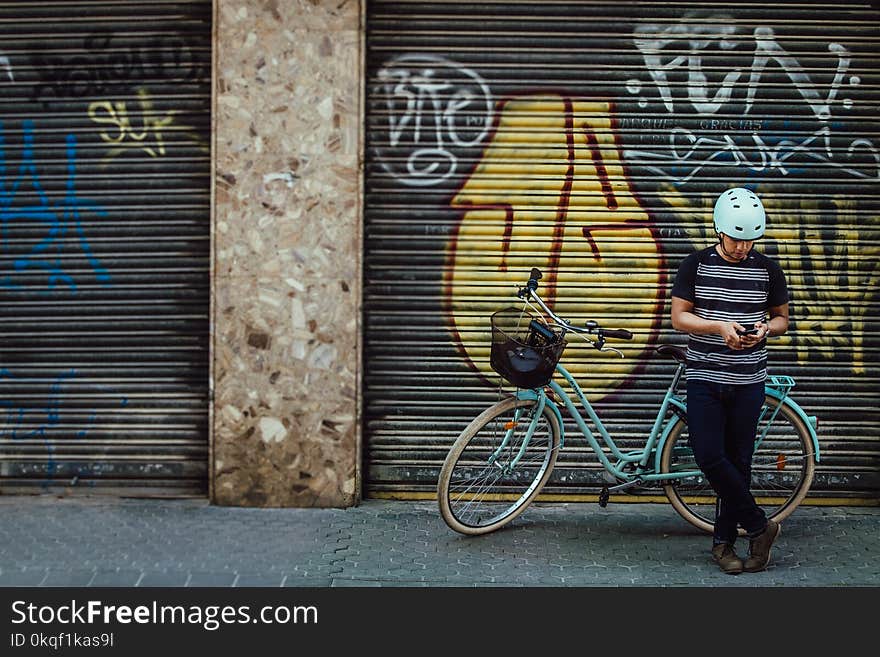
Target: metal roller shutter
pixel 590 139
pixel 104 281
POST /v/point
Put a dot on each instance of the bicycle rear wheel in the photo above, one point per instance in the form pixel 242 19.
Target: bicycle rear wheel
pixel 481 486
pixel 782 468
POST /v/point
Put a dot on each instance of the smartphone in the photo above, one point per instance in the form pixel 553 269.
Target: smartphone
pixel 751 331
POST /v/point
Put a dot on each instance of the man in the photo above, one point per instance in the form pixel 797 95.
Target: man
pixel 722 297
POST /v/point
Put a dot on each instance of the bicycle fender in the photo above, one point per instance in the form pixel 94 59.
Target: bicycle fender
pixel 680 405
pixel 809 421
pixel 531 394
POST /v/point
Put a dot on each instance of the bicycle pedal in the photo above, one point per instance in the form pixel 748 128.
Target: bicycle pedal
pixel 604 496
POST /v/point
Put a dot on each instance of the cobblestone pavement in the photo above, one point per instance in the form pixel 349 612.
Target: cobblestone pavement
pixel 48 541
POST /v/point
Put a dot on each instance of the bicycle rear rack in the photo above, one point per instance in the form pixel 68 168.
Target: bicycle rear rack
pixel 781 384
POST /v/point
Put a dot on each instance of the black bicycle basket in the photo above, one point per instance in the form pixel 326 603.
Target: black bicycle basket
pixel 524 349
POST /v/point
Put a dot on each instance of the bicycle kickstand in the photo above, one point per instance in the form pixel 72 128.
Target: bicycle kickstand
pixel 605 493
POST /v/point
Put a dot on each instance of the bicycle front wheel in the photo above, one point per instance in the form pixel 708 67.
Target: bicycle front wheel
pixel 489 478
pixel 782 468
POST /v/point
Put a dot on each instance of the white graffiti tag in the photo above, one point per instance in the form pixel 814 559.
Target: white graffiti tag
pixel 434 106
pixel 652 41
pixel 6 64
pixel 795 142
pixel 766 49
pixel 696 153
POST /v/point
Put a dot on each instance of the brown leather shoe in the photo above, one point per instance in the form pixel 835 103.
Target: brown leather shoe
pixel 759 548
pixel 725 556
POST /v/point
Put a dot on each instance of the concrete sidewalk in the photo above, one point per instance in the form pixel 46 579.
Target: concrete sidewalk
pixel 99 542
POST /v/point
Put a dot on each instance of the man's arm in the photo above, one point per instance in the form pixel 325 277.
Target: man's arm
pixel 684 319
pixel 778 324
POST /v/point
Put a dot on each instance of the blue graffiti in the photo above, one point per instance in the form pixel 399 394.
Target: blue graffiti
pixel 17 416
pixel 61 219
pixel 39 420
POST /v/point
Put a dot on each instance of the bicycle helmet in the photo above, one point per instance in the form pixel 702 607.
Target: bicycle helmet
pixel 739 214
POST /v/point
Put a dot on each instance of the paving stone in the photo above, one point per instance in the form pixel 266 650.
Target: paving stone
pixel 65 578
pixel 18 577
pixel 211 579
pixel 116 578
pixel 258 580
pixel 163 579
pixel 296 580
pixel 47 541
pixel 361 583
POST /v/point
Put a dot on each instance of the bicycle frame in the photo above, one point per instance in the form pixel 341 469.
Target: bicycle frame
pixel 777 386
pixel 644 470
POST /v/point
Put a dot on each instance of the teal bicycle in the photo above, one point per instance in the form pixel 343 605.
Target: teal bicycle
pixel 504 457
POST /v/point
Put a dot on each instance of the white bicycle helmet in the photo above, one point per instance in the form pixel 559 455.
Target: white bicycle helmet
pixel 739 214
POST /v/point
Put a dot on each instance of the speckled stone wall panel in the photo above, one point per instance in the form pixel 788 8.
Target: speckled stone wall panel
pixel 286 253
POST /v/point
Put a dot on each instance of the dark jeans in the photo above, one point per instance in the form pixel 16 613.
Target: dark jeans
pixel 722 421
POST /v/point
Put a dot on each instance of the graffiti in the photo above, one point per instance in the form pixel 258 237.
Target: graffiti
pixel 434 106
pixel 695 153
pixel 28 421
pixel 6 65
pixel 565 207
pixel 766 48
pixel 108 63
pixel 59 221
pixel 652 40
pixel 687 152
pixel 147 137
pixel 45 418
pixel 835 279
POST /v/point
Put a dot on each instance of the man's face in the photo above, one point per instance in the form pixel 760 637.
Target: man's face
pixel 736 249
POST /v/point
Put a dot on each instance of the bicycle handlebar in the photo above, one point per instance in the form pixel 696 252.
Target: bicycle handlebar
pixel 622 334
pixel 534 277
pixel 531 291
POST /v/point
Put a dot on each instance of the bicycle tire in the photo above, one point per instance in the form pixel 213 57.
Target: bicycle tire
pixel 782 470
pixel 477 496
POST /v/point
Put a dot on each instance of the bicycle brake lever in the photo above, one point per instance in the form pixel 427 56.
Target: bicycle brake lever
pixel 618 352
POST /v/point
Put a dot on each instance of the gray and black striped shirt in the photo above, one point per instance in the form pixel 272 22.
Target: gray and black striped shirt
pixel 727 291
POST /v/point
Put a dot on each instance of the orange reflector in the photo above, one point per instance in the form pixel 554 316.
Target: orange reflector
pixel 510 425
pixel 780 461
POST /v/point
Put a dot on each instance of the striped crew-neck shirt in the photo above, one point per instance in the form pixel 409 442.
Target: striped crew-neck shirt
pixel 729 291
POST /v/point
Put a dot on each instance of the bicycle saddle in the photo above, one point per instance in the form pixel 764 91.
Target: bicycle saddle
pixel 672 352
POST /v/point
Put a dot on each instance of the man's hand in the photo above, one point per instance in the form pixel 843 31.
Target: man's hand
pixel 731 338
pixel 751 340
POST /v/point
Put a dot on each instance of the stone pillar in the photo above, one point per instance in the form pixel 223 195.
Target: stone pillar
pixel 287 253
